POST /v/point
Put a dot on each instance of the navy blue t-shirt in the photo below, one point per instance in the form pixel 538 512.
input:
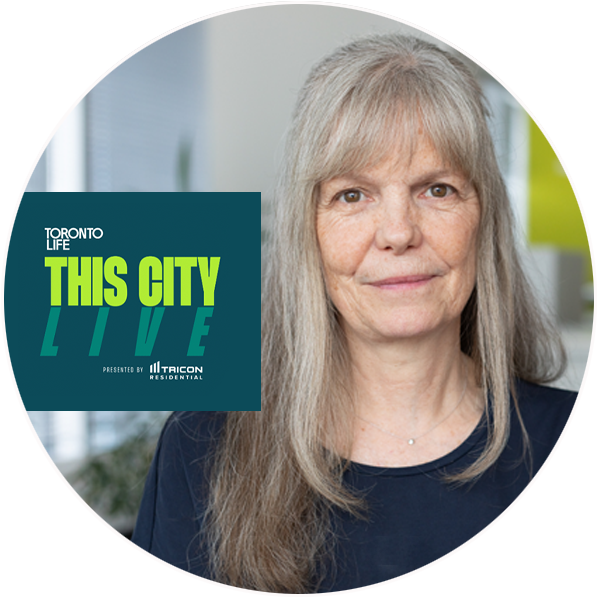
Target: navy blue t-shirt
pixel 413 517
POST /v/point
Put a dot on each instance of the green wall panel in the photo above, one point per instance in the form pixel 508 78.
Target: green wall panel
pixel 569 117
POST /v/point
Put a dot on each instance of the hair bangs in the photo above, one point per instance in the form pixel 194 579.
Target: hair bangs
pixel 454 135
pixel 359 143
pixel 384 118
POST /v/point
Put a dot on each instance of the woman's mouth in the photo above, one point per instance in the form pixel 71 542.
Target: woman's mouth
pixel 403 282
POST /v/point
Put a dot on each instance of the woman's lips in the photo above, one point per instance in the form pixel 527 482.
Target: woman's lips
pixel 404 282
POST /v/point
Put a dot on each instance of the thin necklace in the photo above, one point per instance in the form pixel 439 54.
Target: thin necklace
pixel 413 439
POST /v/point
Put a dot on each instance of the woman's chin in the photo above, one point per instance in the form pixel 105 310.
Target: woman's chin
pixel 408 330
pixel 407 324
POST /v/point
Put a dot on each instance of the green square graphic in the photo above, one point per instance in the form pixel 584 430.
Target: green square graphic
pixel 135 301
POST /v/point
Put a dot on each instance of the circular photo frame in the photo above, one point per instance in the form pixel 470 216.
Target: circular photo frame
pixel 368 483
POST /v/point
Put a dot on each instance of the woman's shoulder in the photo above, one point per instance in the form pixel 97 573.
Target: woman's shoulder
pixel 195 418
pixel 544 393
pixel 544 398
pixel 190 433
pixel 195 424
pixel 175 488
pixel 544 410
pixel 192 427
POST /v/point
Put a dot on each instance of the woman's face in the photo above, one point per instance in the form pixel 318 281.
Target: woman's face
pixel 398 245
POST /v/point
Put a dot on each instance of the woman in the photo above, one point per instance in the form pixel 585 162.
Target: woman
pixel 402 348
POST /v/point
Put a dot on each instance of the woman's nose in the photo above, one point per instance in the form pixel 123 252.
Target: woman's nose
pixel 398 227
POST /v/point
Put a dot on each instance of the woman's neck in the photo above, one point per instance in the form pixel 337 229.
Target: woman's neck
pixel 415 399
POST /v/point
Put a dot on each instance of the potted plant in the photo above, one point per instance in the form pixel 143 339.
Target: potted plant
pixel 113 482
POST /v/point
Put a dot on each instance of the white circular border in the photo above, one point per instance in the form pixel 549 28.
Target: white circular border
pixel 558 155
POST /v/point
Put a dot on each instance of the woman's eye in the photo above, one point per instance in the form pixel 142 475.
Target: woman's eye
pixel 351 196
pixel 440 190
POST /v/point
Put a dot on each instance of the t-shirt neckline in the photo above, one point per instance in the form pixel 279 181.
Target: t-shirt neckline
pixel 434 465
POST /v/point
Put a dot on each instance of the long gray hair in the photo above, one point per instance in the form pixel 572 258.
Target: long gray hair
pixel 273 484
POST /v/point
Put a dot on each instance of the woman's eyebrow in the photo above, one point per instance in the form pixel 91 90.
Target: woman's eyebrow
pixel 437 174
pixel 349 179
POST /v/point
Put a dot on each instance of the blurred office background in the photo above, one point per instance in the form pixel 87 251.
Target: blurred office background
pixel 206 109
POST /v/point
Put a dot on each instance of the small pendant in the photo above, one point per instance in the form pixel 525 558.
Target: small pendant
pixel 411 441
